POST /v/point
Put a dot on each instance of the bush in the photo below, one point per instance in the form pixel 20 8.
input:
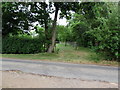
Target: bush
pixel 22 45
pixel 78 30
pixel 104 41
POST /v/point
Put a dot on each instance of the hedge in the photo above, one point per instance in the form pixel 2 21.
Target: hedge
pixel 22 45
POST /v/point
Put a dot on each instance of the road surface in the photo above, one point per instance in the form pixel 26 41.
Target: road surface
pixel 66 70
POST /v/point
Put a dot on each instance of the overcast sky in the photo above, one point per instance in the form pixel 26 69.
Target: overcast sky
pixel 59 21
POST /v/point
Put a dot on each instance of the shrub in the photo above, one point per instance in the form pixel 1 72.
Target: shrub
pixel 22 45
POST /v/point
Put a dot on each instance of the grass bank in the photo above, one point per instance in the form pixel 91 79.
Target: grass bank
pixel 66 54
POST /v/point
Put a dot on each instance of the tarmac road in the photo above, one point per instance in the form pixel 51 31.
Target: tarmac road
pixel 66 70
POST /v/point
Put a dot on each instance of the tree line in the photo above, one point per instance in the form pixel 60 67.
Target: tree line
pixel 91 24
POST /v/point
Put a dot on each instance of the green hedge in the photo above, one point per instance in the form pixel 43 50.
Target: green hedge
pixel 22 45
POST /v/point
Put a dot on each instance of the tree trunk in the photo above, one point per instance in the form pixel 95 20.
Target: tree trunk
pixel 51 47
pixel 46 36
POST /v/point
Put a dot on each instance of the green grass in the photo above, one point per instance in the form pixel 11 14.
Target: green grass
pixel 66 54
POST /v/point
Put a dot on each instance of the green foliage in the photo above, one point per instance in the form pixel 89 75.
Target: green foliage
pixel 20 15
pixel 41 32
pixel 8 22
pixel 98 28
pixel 64 33
pixel 93 25
pixel 78 31
pixel 22 45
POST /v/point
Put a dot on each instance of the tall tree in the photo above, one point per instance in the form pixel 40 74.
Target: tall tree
pixel 64 8
pixel 20 15
pixel 101 19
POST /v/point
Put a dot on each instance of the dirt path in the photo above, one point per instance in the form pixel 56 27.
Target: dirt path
pixel 16 79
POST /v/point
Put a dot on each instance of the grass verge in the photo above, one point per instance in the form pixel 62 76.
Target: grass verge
pixel 66 54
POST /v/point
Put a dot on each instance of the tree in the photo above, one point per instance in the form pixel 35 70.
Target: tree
pixel 101 20
pixel 63 33
pixel 21 15
pixel 65 8
pixel 9 24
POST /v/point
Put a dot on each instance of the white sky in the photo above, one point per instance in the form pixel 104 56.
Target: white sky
pixel 62 22
pixel 59 21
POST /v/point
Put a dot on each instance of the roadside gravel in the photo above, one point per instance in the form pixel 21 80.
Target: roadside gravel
pixel 17 79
